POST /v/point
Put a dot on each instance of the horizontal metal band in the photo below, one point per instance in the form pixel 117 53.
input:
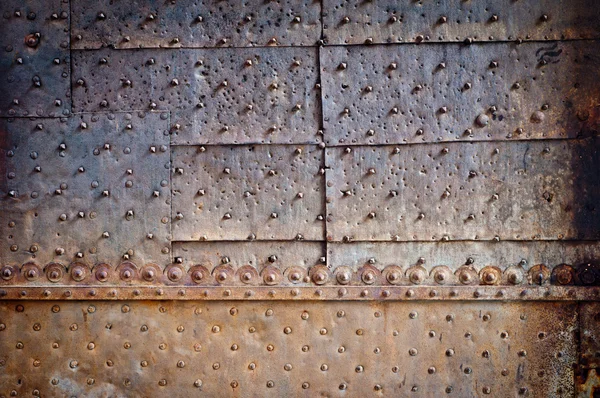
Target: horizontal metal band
pixel 352 293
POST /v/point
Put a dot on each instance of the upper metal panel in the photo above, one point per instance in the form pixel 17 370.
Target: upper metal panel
pixel 91 188
pixel 277 349
pixel 34 60
pixel 227 96
pixel 259 192
pixel 195 23
pixel 449 92
pixel 388 21
pixel 464 191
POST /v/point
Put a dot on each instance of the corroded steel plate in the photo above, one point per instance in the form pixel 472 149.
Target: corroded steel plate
pixel 463 191
pixel 387 21
pixel 449 92
pixel 248 192
pixel 287 349
pixel 35 59
pixel 91 188
pixel 194 23
pixel 590 335
pixel 226 96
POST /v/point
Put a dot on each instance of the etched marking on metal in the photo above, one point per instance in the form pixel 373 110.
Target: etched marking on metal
pixel 195 23
pixel 365 22
pixel 226 96
pixel 448 92
pixel 94 187
pixel 248 192
pixel 285 349
pixel 35 61
pixel 467 191
pixel 590 335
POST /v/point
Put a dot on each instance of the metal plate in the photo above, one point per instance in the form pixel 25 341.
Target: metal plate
pixel 195 23
pixel 35 60
pixel 590 335
pixel 93 170
pixel 387 21
pixel 469 191
pixel 216 96
pixel 287 349
pixel 248 192
pixel 449 92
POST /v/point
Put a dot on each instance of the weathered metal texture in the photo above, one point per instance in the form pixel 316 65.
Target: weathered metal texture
pixel 590 336
pixel 448 92
pixel 225 96
pixel 531 190
pixel 194 23
pixel 91 188
pixel 35 60
pixel 248 192
pixel 287 349
pixel 468 263
pixel 387 21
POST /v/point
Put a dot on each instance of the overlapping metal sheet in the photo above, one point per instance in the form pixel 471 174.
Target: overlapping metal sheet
pixel 194 23
pixel 387 21
pixel 452 92
pixel 79 189
pixel 35 60
pixel 534 190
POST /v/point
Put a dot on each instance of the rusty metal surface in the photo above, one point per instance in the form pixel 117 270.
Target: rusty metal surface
pixel 194 23
pixel 589 314
pixel 387 21
pixel 78 190
pixel 448 92
pixel 258 192
pixel 287 349
pixel 531 190
pixel 224 96
pixel 35 58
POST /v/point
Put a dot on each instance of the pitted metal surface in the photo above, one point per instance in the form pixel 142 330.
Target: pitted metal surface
pixel 590 335
pixel 282 349
pixel 35 61
pixel 468 191
pixel 449 92
pixel 387 21
pixel 227 96
pixel 78 190
pixel 194 23
pixel 248 192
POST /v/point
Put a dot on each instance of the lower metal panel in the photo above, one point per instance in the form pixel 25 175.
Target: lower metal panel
pixel 177 348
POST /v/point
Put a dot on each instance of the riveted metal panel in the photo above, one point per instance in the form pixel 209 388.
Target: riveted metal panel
pixel 364 22
pixel 477 191
pixel 449 92
pixel 248 192
pixel 444 263
pixel 35 60
pixel 87 188
pixel 195 23
pixel 287 349
pixel 227 96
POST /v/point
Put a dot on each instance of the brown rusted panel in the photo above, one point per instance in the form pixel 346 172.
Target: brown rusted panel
pixel 444 263
pixel 447 92
pixel 287 349
pixel 194 23
pixel 35 60
pixel 590 335
pixel 226 96
pixel 91 188
pixel 463 191
pixel 365 22
pixel 248 192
